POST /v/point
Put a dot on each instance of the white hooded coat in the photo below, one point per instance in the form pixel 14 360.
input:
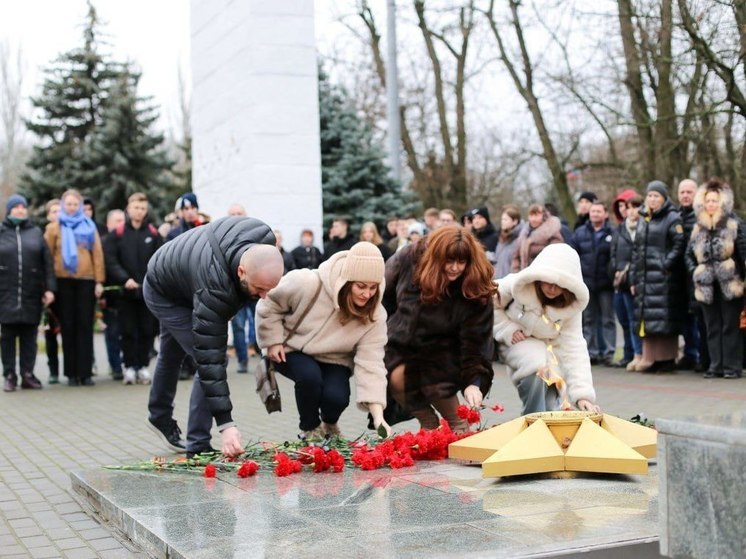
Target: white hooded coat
pixel 518 308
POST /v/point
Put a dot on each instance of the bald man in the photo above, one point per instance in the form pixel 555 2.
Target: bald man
pixel 194 286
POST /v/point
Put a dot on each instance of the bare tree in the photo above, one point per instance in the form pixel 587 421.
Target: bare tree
pixel 522 74
pixel 11 81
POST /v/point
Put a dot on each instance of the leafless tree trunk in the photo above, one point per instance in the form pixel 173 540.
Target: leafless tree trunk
pixel 11 80
pixel 720 67
pixel 635 87
pixel 525 86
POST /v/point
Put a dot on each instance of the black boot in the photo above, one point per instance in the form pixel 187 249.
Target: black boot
pixel 11 381
pixel 28 380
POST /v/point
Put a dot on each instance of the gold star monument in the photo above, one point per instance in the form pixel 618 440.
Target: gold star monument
pixel 575 441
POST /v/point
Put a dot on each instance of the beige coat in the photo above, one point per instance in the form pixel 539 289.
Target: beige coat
pixel 90 262
pixel 321 335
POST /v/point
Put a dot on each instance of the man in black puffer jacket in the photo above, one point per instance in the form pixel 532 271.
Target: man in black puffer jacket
pixel 593 243
pixel 194 286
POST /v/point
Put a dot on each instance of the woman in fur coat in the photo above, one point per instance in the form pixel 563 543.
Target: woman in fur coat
pixel 320 327
pixel 543 230
pixel 539 331
pixel 715 258
pixel 439 298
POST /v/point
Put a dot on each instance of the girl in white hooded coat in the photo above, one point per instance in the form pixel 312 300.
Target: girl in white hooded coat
pixel 539 330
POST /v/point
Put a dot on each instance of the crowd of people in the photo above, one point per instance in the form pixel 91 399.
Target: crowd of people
pixel 414 313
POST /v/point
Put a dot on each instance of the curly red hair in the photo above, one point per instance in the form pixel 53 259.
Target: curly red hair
pixel 446 245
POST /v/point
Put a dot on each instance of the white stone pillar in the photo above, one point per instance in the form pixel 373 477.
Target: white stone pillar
pixel 255 112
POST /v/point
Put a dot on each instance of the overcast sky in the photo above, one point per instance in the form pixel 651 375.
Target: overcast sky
pixel 152 33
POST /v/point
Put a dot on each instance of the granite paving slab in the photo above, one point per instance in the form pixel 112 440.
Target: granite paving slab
pixel 438 509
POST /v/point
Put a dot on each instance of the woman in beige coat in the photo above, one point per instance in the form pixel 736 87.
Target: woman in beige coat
pixel 342 335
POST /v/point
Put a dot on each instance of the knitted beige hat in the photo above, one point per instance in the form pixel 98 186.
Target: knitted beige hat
pixel 363 263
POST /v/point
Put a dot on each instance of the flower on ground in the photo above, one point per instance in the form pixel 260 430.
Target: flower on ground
pixel 210 470
pixel 247 469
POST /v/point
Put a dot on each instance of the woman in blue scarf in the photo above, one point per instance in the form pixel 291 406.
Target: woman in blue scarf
pixel 79 267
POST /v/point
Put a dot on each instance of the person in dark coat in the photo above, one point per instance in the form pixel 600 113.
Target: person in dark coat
pixel 127 252
pixel 657 272
pixel 89 209
pixel 190 217
pixel 340 238
pixel 716 258
pixel 621 262
pixel 593 243
pixel 583 207
pixel 439 301
pixel 485 231
pixel 195 284
pixel 27 282
pixel 109 303
pixel 306 255
pixel 695 337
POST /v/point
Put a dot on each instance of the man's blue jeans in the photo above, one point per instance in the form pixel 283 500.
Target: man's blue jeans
pixel 239 323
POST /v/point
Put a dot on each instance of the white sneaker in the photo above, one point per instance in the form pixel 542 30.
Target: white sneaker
pixel 130 376
pixel 143 376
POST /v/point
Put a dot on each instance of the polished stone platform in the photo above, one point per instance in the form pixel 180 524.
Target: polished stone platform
pixel 438 509
pixel 703 487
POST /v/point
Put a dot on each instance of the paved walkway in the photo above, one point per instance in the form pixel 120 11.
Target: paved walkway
pixel 50 432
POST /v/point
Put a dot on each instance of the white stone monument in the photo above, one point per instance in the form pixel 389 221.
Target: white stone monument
pixel 255 113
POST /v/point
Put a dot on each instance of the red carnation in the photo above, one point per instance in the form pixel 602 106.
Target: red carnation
pixel 336 460
pixel 320 460
pixel 210 470
pixel 497 408
pixel 463 411
pixel 247 469
pixel 305 455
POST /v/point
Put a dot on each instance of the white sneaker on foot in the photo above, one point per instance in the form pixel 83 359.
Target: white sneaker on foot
pixel 143 376
pixel 130 376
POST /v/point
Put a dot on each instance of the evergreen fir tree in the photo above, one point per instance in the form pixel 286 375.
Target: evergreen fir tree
pixel 68 110
pixel 354 177
pixel 124 155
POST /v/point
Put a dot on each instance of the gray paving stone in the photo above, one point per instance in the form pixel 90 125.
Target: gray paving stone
pixel 80 553
pixel 69 543
pixel 35 541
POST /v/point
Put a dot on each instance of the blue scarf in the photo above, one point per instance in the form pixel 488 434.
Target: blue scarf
pixel 77 229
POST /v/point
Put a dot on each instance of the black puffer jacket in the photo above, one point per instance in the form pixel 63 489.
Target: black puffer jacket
pixel 622 246
pixel 488 236
pixel 658 270
pixel 688 219
pixel 594 249
pixel 186 271
pixel 25 274
pixel 127 252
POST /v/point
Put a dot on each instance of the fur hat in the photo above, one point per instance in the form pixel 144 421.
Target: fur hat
pixel 364 263
pixel 15 200
pixel 659 187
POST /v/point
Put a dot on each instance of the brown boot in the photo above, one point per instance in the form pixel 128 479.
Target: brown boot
pixel 427 418
pixel 457 424
pixel 331 430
